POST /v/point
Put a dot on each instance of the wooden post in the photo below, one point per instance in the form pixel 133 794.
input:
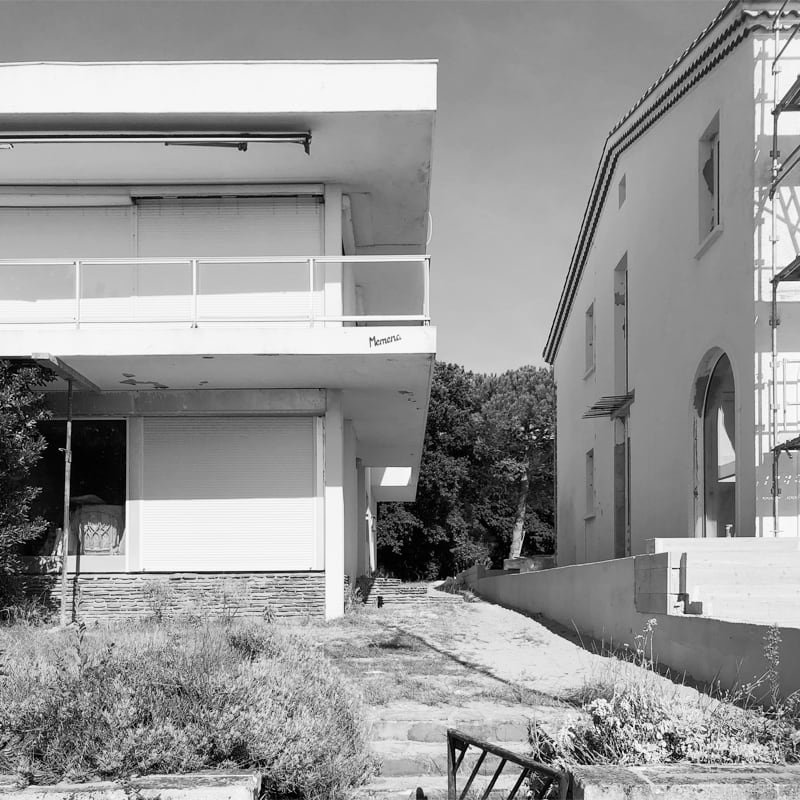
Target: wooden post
pixel 65 536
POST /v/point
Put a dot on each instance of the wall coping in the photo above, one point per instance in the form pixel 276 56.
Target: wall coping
pixel 687 781
pixel 192 786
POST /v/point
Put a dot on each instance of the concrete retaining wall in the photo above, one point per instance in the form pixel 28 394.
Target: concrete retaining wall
pixel 598 600
pixel 110 596
pixel 686 781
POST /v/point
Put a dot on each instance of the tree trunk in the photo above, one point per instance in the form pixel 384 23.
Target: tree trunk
pixel 518 534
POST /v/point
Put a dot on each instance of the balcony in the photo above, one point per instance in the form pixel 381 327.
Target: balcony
pixel 269 291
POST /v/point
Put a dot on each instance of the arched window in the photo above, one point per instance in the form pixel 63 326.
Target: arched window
pixel 719 451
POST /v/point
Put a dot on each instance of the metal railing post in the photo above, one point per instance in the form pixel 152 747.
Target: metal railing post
pixel 194 291
pixel 451 768
pixel 77 294
pixel 311 270
pixel 426 277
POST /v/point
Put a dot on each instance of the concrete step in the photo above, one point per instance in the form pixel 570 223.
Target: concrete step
pixel 429 758
pixel 748 591
pixel 777 573
pixel 720 546
pixel 500 730
pixel 751 609
pixel 434 787
pixel 484 720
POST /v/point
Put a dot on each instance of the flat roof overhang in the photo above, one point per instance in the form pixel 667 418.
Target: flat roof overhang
pixel 385 388
pixel 371 127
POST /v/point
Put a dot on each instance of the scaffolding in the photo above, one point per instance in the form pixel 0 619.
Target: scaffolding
pixel 790 102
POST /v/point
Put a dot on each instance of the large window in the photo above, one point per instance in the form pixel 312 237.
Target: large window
pixel 719 451
pixel 97 486
pixel 710 206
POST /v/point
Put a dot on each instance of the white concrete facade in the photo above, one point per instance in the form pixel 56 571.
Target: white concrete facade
pixel 659 299
pixel 257 315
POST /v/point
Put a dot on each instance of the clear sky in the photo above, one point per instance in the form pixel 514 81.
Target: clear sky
pixel 527 93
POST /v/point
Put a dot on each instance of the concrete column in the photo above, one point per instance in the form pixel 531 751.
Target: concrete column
pixel 334 505
pixel 333 247
pixel 134 501
pixel 351 566
pixel 362 531
pixel 372 524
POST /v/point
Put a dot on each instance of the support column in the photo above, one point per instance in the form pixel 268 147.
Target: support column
pixel 351 565
pixel 334 505
pixel 372 523
pixel 333 247
pixel 135 500
pixel 362 531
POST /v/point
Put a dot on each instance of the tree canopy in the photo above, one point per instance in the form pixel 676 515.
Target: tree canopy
pixel 485 488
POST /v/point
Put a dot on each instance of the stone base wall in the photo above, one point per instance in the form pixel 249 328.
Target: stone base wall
pixel 123 595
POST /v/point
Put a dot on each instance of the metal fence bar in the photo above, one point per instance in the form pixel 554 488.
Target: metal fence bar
pixel 524 774
pixel 475 769
pixel 548 776
pixel 493 781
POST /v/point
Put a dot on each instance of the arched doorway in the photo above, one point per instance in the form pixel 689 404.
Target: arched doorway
pixel 719 451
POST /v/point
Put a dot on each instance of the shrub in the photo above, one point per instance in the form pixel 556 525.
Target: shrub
pixel 632 720
pixel 171 699
pixel 22 406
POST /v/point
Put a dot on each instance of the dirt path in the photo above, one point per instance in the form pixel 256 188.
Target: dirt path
pixel 514 648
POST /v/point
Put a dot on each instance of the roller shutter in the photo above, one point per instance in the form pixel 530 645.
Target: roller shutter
pixel 230 227
pixel 47 291
pixel 228 494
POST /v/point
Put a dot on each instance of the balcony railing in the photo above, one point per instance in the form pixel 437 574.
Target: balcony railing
pixel 280 290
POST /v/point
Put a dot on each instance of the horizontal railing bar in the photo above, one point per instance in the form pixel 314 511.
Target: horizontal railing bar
pixel 127 321
pixel 45 262
pixel 497 750
pixel 376 318
pixel 220 260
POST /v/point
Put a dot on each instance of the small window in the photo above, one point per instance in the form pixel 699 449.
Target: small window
pixel 710 218
pixel 590 483
pixel 590 338
pixel 622 191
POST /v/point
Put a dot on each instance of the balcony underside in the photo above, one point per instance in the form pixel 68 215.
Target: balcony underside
pixel 384 375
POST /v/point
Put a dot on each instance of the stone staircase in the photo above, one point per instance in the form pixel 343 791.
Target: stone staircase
pixel 411 744
pixel 392 591
pixel 745 579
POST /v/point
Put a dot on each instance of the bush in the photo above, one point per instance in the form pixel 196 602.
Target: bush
pixel 631 720
pixel 171 699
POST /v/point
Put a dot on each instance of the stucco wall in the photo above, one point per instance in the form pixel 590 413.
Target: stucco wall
pixel 598 601
pixel 679 308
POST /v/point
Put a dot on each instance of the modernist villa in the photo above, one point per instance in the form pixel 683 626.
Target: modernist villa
pixel 225 265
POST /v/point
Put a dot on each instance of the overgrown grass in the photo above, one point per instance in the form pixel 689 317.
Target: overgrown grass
pixel 634 718
pixel 177 698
